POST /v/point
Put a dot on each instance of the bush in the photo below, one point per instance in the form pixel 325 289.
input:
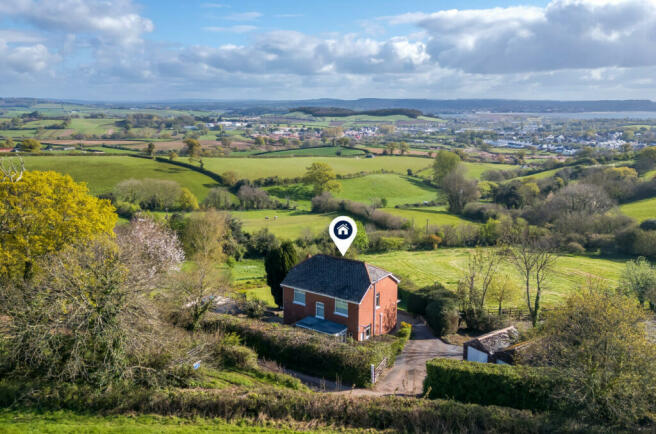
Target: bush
pixel 482 212
pixel 520 387
pixel 648 225
pixel 126 209
pixel 307 352
pixel 236 356
pixel 438 306
pixel 403 335
pixel 574 247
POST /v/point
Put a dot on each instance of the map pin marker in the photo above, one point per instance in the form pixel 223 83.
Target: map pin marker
pixel 343 230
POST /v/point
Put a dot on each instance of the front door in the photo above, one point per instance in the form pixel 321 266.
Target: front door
pixel 319 309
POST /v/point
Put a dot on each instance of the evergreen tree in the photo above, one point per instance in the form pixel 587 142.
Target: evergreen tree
pixel 277 264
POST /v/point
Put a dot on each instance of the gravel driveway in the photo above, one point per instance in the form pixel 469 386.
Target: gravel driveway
pixel 407 375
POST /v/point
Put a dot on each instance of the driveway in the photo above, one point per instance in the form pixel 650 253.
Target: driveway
pixel 407 375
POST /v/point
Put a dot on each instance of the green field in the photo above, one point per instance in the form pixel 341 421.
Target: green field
pixel 93 126
pixel 436 215
pixel 446 265
pixel 102 173
pixel 540 175
pixel 253 168
pixel 473 170
pixel 323 151
pixel 289 224
pixel 397 189
pixel 15 422
pixel 640 210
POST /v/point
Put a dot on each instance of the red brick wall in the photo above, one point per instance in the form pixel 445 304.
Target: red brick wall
pixel 359 316
pixel 388 290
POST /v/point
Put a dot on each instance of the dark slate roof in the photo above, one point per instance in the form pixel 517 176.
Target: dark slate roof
pixel 342 278
pixel 321 325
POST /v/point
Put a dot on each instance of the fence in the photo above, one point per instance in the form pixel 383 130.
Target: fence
pixel 376 371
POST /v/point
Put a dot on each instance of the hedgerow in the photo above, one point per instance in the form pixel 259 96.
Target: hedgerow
pixel 310 353
pixel 521 387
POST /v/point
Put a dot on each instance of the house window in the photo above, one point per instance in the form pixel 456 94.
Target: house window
pixel 378 300
pixel 299 297
pixel 319 310
pixel 366 333
pixel 341 308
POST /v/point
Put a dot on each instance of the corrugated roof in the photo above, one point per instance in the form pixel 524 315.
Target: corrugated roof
pixel 342 278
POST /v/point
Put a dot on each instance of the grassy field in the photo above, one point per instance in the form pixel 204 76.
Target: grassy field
pixel 540 175
pixel 324 151
pixel 102 173
pixel 473 170
pixel 15 422
pixel 290 224
pixel 446 266
pixel 253 168
pixel 436 215
pixel 640 210
pixel 397 189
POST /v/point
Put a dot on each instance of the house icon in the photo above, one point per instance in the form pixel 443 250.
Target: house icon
pixel 343 230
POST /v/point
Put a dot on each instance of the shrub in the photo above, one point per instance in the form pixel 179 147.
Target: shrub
pixel 126 209
pixel 482 212
pixel 574 247
pixel 648 225
pixel 236 356
pixel 308 352
pixel 520 387
pixel 438 306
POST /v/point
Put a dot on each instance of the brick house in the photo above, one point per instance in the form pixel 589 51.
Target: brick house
pixel 340 297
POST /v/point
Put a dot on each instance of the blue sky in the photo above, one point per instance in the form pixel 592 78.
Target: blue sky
pixel 156 50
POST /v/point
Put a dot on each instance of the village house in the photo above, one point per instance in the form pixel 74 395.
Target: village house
pixel 340 297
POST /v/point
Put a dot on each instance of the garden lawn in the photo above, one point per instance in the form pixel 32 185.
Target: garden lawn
pixel 15 422
pixel 446 266
pixel 253 168
pixel 102 173
pixel 641 209
pixel 290 224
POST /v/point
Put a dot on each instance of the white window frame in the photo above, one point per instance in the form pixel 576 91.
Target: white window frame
pixel 299 291
pixel 323 310
pixel 377 300
pixel 344 314
pixel 364 332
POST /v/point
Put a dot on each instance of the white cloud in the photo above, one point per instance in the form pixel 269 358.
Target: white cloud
pixel 243 16
pixel 566 34
pixel 230 29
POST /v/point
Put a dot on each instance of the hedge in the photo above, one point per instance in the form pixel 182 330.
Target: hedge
pixel 438 305
pixel 521 387
pixel 310 353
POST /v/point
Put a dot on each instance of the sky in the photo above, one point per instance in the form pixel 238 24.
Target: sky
pixel 136 50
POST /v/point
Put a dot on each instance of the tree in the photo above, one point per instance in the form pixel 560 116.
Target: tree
pixel 502 290
pixel 187 201
pixel 403 147
pixel 192 147
pixel 475 283
pixel 598 338
pixel 646 160
pixel 639 278
pixel 390 147
pixel 229 178
pixel 459 190
pixel 277 263
pixel 386 129
pixel 30 145
pixel 445 163
pixel 197 285
pixel 150 150
pixel 173 155
pixel 42 213
pixel 534 261
pixel 322 177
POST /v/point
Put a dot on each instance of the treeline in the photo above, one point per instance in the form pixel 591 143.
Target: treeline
pixel 342 112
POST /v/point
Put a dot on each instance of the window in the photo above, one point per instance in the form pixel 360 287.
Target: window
pixel 299 297
pixel 366 334
pixel 319 310
pixel 378 300
pixel 341 308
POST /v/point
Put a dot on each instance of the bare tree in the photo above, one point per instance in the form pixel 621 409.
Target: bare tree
pixel 534 261
pixel 477 278
pixel 10 170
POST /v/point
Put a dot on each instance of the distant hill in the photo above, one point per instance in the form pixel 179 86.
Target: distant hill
pixel 342 112
pixel 432 106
